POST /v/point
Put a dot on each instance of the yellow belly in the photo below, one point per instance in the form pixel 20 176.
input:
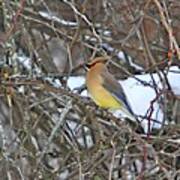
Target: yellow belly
pixel 103 98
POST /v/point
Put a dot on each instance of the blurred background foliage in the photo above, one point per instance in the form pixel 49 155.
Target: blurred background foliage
pixel 49 132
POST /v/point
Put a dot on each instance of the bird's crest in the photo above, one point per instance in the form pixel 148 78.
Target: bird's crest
pixel 96 61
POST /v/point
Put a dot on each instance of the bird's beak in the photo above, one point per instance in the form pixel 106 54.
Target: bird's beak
pixel 86 66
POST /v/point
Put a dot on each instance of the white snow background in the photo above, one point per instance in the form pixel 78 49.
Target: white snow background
pixel 140 96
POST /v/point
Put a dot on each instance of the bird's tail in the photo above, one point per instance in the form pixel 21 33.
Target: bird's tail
pixel 129 114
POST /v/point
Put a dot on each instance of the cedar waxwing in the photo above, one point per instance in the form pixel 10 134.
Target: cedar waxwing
pixel 104 89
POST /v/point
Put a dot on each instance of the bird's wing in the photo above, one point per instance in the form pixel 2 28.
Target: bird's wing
pixel 112 85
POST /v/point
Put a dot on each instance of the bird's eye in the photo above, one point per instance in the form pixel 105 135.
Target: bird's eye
pixel 91 64
pixel 88 65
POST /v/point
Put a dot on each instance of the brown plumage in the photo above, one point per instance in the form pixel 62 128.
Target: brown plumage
pixel 104 88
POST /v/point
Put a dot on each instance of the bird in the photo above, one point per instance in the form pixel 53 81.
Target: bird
pixel 104 89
